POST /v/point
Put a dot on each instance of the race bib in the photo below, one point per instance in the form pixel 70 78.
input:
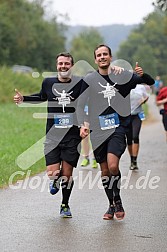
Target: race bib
pixel 63 120
pixel 141 116
pixel 109 121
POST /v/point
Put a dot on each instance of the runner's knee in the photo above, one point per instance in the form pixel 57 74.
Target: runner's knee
pixel 113 168
pixel 52 171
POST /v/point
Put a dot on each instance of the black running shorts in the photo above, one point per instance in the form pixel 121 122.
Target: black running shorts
pixel 164 120
pixel 64 151
pixel 115 144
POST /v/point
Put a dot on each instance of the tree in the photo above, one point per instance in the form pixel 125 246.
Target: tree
pixel 147 44
pixel 161 4
pixel 83 45
pixel 26 38
pixel 144 55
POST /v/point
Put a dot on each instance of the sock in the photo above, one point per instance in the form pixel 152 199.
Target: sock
pixel 108 188
pixel 132 159
pixel 116 186
pixel 135 160
pixel 66 191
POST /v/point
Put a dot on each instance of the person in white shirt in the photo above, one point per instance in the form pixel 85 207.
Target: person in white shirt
pixel 138 96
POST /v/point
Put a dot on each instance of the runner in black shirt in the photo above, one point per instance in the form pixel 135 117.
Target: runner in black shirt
pixel 109 117
pixel 62 132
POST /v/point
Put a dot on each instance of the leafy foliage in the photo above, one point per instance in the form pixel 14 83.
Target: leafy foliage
pixel 119 31
pixel 161 4
pixel 23 82
pixel 26 38
pixel 147 45
pixel 83 45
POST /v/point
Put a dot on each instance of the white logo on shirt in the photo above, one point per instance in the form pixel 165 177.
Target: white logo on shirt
pixel 109 91
pixel 64 99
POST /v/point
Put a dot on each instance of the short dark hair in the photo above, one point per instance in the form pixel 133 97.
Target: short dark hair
pixel 65 54
pixel 101 45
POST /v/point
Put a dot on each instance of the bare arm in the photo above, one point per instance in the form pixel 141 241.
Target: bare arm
pixel 161 102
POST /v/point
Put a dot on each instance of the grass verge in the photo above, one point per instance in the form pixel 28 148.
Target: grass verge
pixel 19 131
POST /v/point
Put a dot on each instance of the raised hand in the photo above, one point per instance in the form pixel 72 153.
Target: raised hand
pixel 18 98
pixel 117 70
pixel 138 69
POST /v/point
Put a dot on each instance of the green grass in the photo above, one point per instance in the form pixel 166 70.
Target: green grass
pixel 25 83
pixel 19 130
pixel 145 108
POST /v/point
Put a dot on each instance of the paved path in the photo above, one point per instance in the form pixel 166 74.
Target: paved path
pixel 30 219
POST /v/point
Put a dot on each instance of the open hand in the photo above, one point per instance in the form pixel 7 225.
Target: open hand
pixel 117 70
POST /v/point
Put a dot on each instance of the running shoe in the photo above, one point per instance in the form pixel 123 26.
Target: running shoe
pixel 54 186
pixel 109 214
pixel 133 166
pixel 65 211
pixel 85 162
pixel 119 210
pixel 94 164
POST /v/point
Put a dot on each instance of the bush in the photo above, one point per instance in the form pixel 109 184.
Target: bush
pixel 10 80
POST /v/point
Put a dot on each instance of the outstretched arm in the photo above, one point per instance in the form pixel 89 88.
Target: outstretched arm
pixel 33 98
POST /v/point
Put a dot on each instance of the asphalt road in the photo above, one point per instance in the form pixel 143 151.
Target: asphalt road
pixel 30 220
